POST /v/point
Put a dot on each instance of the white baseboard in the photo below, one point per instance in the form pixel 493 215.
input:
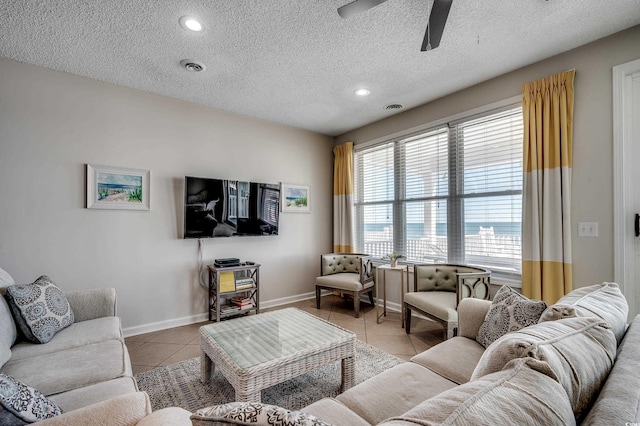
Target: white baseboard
pixel 163 325
pixel 286 300
pixel 193 319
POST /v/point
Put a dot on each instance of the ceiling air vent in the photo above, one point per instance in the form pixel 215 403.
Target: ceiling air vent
pixel 191 65
pixel 393 106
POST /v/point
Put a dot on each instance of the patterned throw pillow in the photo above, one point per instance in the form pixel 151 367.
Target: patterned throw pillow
pixel 40 309
pixel 509 311
pixel 253 413
pixel 23 404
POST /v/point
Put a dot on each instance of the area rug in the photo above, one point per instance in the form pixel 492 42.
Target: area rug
pixel 178 385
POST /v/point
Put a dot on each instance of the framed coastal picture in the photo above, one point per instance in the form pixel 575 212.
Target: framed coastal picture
pixel 117 188
pixel 295 198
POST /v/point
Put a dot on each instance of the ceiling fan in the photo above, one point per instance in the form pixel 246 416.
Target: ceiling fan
pixel 435 27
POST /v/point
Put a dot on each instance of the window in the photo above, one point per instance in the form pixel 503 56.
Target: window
pixel 452 193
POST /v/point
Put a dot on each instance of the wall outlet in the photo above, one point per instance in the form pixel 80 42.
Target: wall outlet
pixel 588 229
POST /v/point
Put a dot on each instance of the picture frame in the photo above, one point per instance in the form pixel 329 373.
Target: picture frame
pixel 117 188
pixel 295 198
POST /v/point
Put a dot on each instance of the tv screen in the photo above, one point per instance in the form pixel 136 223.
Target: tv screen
pixel 229 208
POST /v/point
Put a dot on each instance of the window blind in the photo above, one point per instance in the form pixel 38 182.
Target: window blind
pixel 448 194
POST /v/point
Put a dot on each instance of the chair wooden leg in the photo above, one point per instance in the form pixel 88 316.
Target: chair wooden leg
pixel 407 319
pixel 317 297
pixel 356 304
pixel 371 298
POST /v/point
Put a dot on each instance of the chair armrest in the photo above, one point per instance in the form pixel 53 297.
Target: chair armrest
pixel 124 410
pixel 92 304
pixel 366 269
pixel 471 314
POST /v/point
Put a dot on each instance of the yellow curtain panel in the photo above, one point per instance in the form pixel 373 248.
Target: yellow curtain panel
pixel 547 108
pixel 343 198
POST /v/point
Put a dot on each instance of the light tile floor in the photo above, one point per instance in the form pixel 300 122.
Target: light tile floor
pixel 166 347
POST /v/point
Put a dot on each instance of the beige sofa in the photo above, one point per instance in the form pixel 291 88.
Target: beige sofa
pixel 83 367
pixel 84 363
pixel 580 366
pixel 562 371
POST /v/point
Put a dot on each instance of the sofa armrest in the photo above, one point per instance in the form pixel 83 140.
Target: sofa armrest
pixel 124 410
pixel 471 314
pixel 92 304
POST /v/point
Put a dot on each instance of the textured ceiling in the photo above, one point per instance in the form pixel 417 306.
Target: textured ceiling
pixel 296 61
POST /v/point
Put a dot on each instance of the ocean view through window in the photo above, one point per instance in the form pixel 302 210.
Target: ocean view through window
pixel 452 193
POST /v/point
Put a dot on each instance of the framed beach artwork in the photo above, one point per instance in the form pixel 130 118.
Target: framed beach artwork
pixel 117 188
pixel 295 198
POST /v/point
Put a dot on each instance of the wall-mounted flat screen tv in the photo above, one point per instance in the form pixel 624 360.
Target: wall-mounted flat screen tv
pixel 230 208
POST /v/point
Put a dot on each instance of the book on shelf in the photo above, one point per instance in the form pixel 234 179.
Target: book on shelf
pixel 229 308
pixel 242 301
pixel 244 287
pixel 227 282
pixel 243 281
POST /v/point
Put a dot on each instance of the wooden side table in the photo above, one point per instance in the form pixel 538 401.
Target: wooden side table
pixel 386 267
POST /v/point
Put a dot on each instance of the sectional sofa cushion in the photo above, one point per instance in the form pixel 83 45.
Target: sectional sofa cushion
pixel 40 309
pixel 7 325
pixel 509 397
pixel 23 404
pixel 248 413
pixel 80 334
pixel 466 352
pixel 604 301
pixel 509 311
pixel 126 410
pixel 619 400
pixel 579 351
pixel 72 368
pixel 393 392
pixel 93 394
pixel 7 331
pixel 5 280
pixel 335 412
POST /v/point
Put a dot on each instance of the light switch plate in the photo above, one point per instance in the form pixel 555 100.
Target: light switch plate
pixel 588 229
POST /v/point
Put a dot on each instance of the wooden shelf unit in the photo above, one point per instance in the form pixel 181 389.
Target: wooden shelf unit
pixel 219 296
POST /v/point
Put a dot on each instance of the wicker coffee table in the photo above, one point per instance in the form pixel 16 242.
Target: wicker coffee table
pixel 259 351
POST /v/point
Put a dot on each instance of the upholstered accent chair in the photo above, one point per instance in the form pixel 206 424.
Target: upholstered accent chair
pixel 437 289
pixel 348 273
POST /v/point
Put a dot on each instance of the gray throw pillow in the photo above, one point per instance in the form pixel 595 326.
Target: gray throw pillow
pixel 40 309
pixel 23 404
pixel 509 311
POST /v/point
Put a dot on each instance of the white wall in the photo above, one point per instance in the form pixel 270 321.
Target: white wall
pixel 53 123
pixel 592 196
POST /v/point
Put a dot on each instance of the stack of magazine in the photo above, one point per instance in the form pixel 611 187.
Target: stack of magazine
pixel 244 283
pixel 242 302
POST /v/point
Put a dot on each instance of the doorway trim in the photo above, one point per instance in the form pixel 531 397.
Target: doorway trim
pixel 623 242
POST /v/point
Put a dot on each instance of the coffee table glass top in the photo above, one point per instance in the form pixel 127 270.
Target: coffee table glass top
pixel 257 339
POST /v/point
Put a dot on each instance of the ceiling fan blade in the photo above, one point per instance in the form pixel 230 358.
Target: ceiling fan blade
pixel 357 6
pixel 435 27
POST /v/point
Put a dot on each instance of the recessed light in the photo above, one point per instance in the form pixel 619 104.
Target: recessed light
pixel 362 92
pixel 190 23
pixel 191 65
